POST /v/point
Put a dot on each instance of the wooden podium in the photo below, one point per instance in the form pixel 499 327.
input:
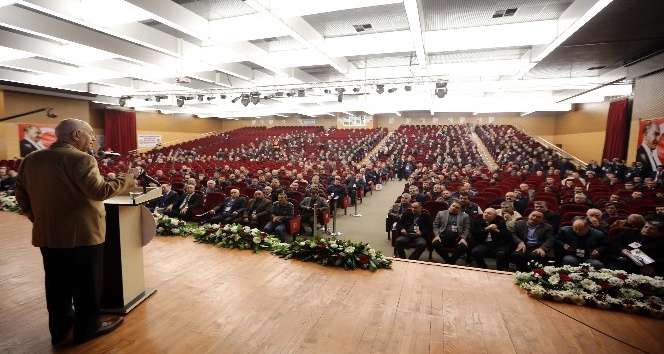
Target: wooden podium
pixel 129 227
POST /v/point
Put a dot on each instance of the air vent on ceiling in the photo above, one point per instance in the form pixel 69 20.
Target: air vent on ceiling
pixel 504 13
pixel 363 28
pixel 597 67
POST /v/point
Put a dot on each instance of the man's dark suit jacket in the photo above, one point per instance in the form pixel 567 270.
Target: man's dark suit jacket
pixel 263 210
pixel 479 234
pixel 595 240
pixel 239 205
pixel 194 202
pixel 170 198
pixel 654 248
pixel 543 232
pixel 408 219
pixel 643 156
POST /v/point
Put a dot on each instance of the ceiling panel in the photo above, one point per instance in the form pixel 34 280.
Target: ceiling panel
pixel 385 18
pixel 449 14
pixel 216 9
pixel 477 55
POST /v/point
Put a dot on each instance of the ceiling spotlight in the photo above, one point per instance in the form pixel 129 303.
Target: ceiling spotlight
pixel 245 99
pixel 210 98
pixel 392 90
pixel 223 97
pixel 189 98
pixel 380 88
pixel 160 97
pixel 356 89
pixel 123 100
pixel 149 98
pixel 300 93
pixel 201 97
pixel 441 89
pixel 327 91
pixel 255 97
pixel 340 93
pixel 279 94
pixel 408 88
pixel 266 97
pixel 180 101
pixel 289 94
pixel 235 99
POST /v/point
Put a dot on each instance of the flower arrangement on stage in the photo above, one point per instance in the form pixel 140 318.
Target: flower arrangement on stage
pixel 8 203
pixel 604 288
pixel 236 236
pixel 325 251
pixel 333 252
pixel 167 226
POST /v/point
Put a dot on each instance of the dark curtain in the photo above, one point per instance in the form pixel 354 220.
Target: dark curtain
pixel 617 130
pixel 120 134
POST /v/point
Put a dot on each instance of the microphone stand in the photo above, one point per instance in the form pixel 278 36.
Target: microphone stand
pixel 334 217
pixel 313 223
pixel 145 179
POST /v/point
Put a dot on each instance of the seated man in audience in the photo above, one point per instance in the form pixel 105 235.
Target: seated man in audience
pixel 649 239
pixel 467 206
pixel 534 239
pixel 336 192
pixel 307 209
pixel 658 216
pixel 508 214
pixel 526 192
pixel 581 199
pixel 594 217
pixel 633 221
pixel 416 196
pixel 611 209
pixel 258 211
pixel 581 244
pixel 270 194
pixel 231 208
pixel 397 209
pixel 436 192
pixel 416 227
pixel 355 184
pixel 167 201
pixel 189 200
pixel 451 228
pixel 636 195
pixel 282 213
pixel 490 235
pixel 210 187
pixel 446 197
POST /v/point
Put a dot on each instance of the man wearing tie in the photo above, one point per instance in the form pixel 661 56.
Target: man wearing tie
pixel 167 201
pixel 188 202
pixel 231 209
pixel 647 152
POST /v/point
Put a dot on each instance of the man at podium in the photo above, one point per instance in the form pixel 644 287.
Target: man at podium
pixel 69 227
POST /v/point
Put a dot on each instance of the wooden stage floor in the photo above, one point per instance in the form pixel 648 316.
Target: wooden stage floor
pixel 212 300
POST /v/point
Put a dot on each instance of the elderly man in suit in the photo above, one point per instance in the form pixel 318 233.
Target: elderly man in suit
pixel 231 209
pixel 189 200
pixel 451 228
pixel 307 208
pixel 414 226
pixel 258 211
pixel 69 227
pixel 167 201
pixel 581 243
pixel 490 234
pixel 534 239
pixel 398 208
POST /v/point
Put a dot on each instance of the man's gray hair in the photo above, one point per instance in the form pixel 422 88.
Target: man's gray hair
pixel 67 126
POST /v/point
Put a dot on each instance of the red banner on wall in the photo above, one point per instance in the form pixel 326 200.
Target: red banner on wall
pixel 650 150
pixel 33 137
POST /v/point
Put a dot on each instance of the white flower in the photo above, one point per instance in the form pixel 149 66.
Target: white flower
pixel 349 249
pixel 302 243
pixel 313 245
pixel 372 253
pixel 554 279
pixel 334 245
pixel 257 239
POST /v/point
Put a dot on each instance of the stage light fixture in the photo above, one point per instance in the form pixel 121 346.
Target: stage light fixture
pixel 392 90
pixel 300 93
pixel 180 101
pixel 123 100
pixel 327 91
pixel 441 89
pixel 356 89
pixel 255 97
pixel 235 99
pixel 278 94
pixel 210 98
pixel 223 97
pixel 340 93
pixel 408 88
pixel 245 99
pixel 380 89
pixel 149 98
pixel 158 98
pixel 201 97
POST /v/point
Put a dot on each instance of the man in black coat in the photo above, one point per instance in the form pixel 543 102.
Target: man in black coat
pixel 649 239
pixel 231 209
pixel 414 226
pixel 167 201
pixel 490 234
pixel 189 200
